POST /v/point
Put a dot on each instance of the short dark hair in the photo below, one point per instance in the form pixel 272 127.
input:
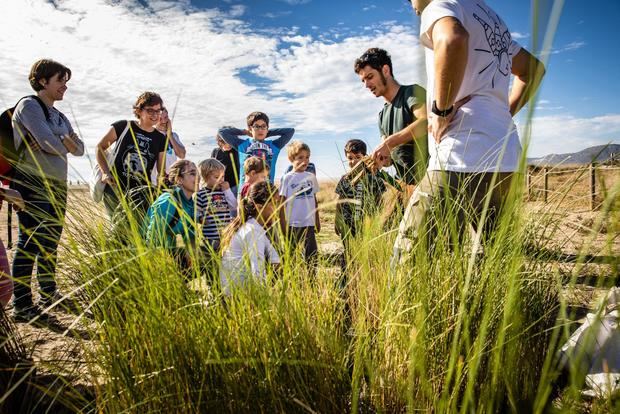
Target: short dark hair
pixel 146 99
pixel 355 146
pixel 375 58
pixel 255 116
pixel 46 69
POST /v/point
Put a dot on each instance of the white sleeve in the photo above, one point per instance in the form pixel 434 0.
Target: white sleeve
pixel 232 201
pixel 256 256
pixel 283 185
pixel 270 252
pixel 436 10
pixel 315 185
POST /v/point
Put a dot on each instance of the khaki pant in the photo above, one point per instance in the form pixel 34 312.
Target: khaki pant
pixel 441 190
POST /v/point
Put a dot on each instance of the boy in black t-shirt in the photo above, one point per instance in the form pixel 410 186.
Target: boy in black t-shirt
pixel 228 156
pixel 139 147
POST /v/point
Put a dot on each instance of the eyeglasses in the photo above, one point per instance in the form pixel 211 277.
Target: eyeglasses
pixel 260 127
pixel 153 111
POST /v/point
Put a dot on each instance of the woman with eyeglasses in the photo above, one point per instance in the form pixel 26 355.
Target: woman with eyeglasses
pixel 139 147
pixel 172 213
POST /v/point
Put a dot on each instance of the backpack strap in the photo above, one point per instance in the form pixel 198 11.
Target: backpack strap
pixel 46 111
pixel 22 146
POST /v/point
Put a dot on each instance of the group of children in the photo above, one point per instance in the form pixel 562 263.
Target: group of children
pixel 201 198
pixel 245 225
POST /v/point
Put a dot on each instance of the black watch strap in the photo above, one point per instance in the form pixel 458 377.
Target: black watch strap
pixel 443 112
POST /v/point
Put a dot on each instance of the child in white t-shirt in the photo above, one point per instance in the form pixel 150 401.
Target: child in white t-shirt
pixel 245 244
pixel 298 194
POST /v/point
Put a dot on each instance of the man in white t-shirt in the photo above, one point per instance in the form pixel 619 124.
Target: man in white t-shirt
pixel 473 143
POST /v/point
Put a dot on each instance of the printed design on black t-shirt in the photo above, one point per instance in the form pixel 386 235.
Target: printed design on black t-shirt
pixel 499 40
pixel 133 163
pixel 260 150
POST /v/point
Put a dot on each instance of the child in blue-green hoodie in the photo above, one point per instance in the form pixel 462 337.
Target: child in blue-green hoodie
pixel 173 211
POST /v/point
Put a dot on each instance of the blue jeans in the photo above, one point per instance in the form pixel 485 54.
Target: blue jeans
pixel 40 227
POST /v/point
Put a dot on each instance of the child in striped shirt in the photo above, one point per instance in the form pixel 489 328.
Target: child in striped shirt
pixel 216 205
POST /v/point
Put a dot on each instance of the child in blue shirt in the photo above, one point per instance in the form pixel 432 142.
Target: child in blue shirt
pixel 258 145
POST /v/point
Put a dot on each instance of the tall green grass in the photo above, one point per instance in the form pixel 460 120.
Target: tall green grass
pixel 450 331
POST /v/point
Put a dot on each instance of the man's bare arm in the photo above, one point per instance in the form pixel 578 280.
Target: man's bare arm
pixel 450 41
pixel 528 71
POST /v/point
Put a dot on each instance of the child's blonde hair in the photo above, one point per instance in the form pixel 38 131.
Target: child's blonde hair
pixel 208 166
pixel 255 164
pixel 295 148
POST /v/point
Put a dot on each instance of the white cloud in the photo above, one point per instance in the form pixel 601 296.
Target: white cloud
pixel 519 36
pixel 368 8
pixel 566 48
pixel 237 10
pixel 117 50
pixel 296 2
pixel 559 134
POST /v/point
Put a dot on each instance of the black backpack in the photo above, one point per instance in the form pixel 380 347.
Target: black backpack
pixel 9 155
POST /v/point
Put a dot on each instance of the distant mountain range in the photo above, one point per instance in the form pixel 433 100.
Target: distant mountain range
pixel 600 154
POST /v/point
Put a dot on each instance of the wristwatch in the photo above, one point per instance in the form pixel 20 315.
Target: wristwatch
pixel 441 112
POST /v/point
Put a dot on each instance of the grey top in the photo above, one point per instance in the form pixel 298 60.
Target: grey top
pixel 51 160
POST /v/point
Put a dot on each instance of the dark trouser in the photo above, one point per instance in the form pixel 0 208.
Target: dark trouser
pixel 110 200
pixel 40 227
pixel 305 236
pixel 439 191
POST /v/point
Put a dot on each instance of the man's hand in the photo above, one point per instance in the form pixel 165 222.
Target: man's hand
pixel 381 155
pixel 438 125
pixel 34 146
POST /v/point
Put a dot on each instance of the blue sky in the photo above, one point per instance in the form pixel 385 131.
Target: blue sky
pixel 292 59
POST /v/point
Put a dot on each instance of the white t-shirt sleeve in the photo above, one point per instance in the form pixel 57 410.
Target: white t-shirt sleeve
pixel 435 11
pixel 260 252
pixel 284 185
pixel 270 252
pixel 232 202
pixel 514 48
pixel 315 184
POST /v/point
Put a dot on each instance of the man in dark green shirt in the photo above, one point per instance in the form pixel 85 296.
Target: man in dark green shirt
pixel 402 121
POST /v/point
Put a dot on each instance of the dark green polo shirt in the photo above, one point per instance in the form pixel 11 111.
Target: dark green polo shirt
pixel 410 159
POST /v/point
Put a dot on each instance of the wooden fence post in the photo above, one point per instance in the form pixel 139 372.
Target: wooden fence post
pixel 593 186
pixel 528 184
pixel 546 180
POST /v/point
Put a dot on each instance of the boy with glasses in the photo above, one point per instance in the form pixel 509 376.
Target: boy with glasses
pixel 258 145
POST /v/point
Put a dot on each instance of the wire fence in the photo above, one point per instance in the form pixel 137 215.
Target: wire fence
pixel 577 186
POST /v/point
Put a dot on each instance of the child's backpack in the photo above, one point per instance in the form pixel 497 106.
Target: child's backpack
pixel 9 155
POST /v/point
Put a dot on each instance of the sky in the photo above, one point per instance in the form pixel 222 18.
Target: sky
pixel 215 61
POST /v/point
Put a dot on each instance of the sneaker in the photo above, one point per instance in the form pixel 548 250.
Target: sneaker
pixel 30 313
pixel 62 302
